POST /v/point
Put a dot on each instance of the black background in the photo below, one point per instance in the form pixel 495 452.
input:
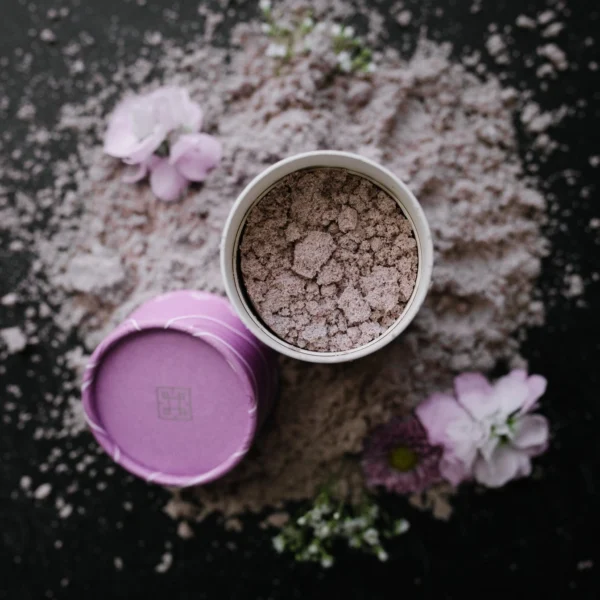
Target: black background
pixel 534 538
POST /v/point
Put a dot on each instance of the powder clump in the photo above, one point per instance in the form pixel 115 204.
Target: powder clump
pixel 312 253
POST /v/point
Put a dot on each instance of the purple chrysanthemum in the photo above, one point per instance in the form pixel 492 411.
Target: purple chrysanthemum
pixel 399 457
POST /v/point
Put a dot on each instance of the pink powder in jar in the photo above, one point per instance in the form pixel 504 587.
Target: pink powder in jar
pixel 328 259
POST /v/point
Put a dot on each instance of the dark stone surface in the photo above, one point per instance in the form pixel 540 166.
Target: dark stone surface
pixel 527 540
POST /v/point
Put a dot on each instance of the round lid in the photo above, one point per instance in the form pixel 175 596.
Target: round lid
pixel 170 407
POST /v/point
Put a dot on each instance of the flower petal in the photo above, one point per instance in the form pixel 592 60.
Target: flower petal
pixel 135 173
pixel 119 136
pixel 531 431
pixel 449 425
pixel 510 393
pixel 121 140
pixel 174 108
pixel 489 447
pixel 453 470
pixel 166 181
pixel 195 155
pixel 524 469
pixel 436 412
pixel 506 463
pixel 145 148
pixel 192 116
pixel 474 393
pixel 537 388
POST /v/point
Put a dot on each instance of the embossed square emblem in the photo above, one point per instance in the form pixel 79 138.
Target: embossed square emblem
pixel 174 403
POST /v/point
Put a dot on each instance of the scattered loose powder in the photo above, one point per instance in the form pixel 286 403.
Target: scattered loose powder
pixel 106 246
pixel 43 491
pixel 14 339
pixel 328 260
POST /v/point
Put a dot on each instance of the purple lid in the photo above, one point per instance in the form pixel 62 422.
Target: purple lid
pixel 176 393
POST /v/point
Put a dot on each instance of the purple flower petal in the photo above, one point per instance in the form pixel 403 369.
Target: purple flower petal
pixel 436 413
pixel 135 173
pixel 175 109
pixel 474 393
pixel 166 105
pixel 166 182
pixel 489 447
pixel 454 470
pixel 119 135
pixel 537 388
pixel 145 148
pixel 195 154
pixel 121 139
pixel 449 425
pixel 531 431
pixel 510 393
pixel 505 464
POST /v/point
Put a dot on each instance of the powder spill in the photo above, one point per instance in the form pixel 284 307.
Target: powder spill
pixel 14 339
pixel 328 259
pixel 108 247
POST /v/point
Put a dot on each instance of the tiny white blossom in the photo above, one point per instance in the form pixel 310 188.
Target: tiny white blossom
pixel 348 526
pixel 279 543
pixel 301 521
pixel 355 542
pixel 345 61
pixel 361 522
pixel 336 30
pixel 313 548
pixel 374 511
pixel 321 26
pixel 353 525
pixel 276 50
pixel 382 555
pixel 265 27
pixel 265 5
pixel 323 531
pixel 325 508
pixel 326 562
pixel 315 515
pixel 401 526
pixel 348 32
pixel 371 536
pixel 371 68
pixel 308 23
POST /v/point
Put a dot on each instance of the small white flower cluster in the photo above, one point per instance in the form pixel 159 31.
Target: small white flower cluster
pixel 314 535
pixel 338 30
pixel 283 34
pixel 291 37
pixel 349 49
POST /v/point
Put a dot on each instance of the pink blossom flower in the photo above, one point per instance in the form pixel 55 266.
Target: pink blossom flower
pixel 140 124
pixel 144 130
pixel 486 429
pixel 399 457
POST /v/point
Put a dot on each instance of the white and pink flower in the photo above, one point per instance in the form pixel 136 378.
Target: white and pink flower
pixel 158 134
pixel 486 429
